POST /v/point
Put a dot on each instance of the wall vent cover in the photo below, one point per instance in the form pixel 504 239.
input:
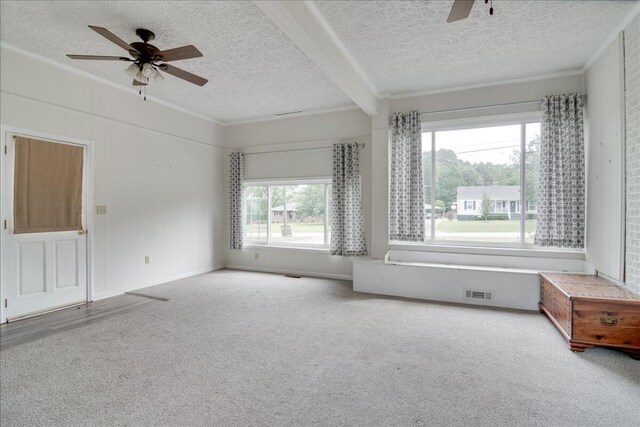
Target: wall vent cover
pixel 474 294
pixel 286 113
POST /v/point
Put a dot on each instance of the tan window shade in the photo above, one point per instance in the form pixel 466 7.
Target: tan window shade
pixel 47 186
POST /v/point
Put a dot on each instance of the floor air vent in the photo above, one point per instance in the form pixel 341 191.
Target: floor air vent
pixel 483 295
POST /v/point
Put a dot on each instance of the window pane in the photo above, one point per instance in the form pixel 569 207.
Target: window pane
pixel 478 182
pixel 255 213
pixel 297 214
pixel 531 167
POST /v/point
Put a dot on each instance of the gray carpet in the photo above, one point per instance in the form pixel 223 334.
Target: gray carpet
pixel 239 348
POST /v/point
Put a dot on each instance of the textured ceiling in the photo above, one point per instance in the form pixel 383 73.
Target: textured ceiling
pixel 254 70
pixel 408 46
pixel 252 67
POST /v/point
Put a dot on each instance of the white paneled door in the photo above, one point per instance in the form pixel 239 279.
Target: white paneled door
pixel 43 270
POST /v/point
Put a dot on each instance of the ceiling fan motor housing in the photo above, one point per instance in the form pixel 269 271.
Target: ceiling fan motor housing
pixel 145 52
pixel 145 35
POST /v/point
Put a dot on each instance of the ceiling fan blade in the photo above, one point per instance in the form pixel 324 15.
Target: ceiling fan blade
pixel 99 57
pixel 112 37
pixel 179 53
pixel 184 75
pixel 137 83
pixel 460 10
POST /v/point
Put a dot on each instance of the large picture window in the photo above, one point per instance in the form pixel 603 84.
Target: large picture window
pixel 480 182
pixel 287 213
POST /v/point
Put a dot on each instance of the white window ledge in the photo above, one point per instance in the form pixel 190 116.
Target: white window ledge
pixel 319 249
pixel 531 252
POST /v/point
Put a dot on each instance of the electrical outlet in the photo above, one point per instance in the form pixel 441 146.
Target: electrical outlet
pixel 101 210
pixel 256 255
pixel 147 260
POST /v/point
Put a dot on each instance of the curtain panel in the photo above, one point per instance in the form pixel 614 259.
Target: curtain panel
pixel 347 225
pixel 561 205
pixel 236 178
pixel 406 201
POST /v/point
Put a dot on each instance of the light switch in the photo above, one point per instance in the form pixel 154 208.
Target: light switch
pixel 101 210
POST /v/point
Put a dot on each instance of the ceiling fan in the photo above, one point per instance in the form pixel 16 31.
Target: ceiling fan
pixel 148 59
pixel 461 9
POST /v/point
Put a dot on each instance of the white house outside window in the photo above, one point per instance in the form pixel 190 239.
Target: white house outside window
pixel 481 184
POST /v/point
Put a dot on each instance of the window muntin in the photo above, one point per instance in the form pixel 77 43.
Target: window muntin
pixel 295 213
pixel 498 164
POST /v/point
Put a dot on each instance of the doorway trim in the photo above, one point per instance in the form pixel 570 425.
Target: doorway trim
pixel 5 131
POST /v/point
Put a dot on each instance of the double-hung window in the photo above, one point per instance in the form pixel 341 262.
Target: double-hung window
pixel 287 213
pixel 480 181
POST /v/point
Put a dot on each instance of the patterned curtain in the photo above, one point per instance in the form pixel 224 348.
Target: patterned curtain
pixel 561 206
pixel 347 227
pixel 236 177
pixel 406 202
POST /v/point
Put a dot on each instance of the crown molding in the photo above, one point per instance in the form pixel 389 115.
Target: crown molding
pixel 77 71
pixel 486 84
pixel 614 34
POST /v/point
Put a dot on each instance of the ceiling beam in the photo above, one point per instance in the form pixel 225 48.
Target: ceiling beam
pixel 307 28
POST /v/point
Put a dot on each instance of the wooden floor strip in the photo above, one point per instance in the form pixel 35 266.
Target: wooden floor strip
pixel 34 328
pixel 147 296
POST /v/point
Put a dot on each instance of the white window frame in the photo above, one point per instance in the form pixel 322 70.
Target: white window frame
pixel 521 119
pixel 290 181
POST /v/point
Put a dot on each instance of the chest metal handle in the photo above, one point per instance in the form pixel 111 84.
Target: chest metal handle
pixel 608 321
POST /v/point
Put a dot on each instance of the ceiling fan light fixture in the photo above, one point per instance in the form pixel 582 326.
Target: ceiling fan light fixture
pixel 158 77
pixel 148 71
pixel 132 70
pixel 140 77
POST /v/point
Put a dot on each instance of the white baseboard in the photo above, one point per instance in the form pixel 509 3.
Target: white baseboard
pixel 286 271
pixel 120 291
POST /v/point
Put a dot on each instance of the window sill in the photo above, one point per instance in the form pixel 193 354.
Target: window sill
pixel 532 252
pixel 318 249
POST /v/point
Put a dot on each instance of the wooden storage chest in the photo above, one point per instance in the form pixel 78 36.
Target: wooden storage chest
pixel 591 312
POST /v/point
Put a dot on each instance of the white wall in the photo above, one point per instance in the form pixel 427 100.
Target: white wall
pixel 156 169
pixel 605 169
pixel 335 125
pixel 321 130
pixel 632 110
pixel 500 93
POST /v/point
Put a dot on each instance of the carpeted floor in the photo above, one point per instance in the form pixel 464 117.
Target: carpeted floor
pixel 239 348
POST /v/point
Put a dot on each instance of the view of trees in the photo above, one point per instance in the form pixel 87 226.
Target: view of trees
pixel 485 206
pixel 452 172
pixel 308 199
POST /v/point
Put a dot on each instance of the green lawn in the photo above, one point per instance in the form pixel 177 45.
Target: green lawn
pixel 299 227
pixel 447 226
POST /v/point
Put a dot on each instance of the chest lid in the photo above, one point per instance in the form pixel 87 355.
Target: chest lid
pixel 589 286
